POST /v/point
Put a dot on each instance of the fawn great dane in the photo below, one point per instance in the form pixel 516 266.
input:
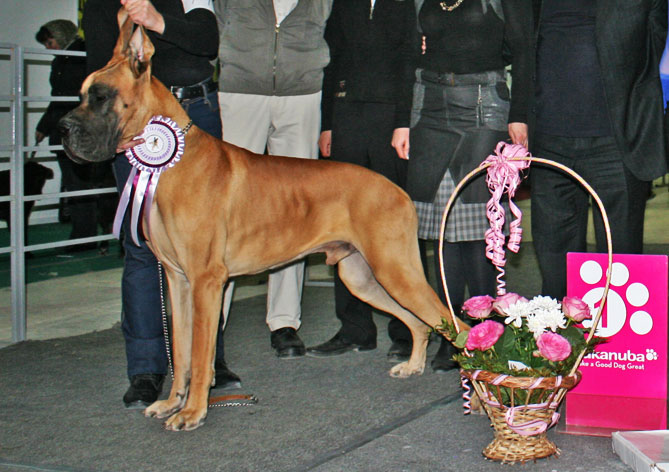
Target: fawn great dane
pixel 223 211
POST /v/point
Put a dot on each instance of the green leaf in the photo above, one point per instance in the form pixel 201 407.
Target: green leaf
pixel 574 336
pixel 461 339
pixel 506 342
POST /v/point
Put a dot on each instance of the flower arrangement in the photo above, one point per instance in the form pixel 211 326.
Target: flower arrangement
pixel 533 338
pixel 521 358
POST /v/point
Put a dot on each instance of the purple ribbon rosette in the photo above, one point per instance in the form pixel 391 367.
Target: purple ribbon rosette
pixel 163 146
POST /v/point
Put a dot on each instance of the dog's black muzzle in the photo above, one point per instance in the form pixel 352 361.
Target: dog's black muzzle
pixel 87 137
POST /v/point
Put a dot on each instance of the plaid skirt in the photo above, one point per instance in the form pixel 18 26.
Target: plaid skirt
pixel 456 121
pixel 466 221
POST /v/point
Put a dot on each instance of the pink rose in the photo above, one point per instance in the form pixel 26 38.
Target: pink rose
pixel 576 309
pixel 478 307
pixel 553 347
pixel 503 302
pixel 484 335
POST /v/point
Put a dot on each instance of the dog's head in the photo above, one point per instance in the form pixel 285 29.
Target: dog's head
pixel 35 176
pixel 116 101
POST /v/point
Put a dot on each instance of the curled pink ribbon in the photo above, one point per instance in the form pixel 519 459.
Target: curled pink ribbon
pixel 503 177
pixel 466 395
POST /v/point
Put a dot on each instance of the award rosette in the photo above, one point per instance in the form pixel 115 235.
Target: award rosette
pixel 163 146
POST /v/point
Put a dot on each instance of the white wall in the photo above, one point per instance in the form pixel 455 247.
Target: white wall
pixel 19 21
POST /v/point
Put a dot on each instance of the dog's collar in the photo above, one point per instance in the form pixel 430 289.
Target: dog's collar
pixel 187 128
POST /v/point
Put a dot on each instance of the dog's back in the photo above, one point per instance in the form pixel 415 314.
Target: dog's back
pixel 35 176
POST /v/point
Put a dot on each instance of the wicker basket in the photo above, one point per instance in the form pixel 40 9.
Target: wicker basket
pixel 521 409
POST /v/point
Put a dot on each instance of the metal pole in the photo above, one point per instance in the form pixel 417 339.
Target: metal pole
pixel 18 267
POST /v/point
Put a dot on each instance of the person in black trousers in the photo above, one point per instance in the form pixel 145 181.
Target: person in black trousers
pixel 366 97
pixel 598 109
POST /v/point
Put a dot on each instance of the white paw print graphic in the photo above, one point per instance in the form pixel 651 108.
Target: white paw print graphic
pixel 636 294
pixel 651 355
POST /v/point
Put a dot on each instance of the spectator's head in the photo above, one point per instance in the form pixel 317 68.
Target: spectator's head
pixel 56 34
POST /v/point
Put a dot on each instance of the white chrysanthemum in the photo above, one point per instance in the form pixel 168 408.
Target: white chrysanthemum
pixel 515 314
pixel 551 319
pixel 535 325
pixel 544 303
pixel 546 313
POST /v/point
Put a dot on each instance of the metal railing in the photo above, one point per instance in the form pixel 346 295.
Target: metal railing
pixel 17 150
pixel 16 199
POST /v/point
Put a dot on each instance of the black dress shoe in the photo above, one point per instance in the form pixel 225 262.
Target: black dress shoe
pixel 443 359
pixel 400 351
pixel 224 378
pixel 144 390
pixel 336 346
pixel 287 343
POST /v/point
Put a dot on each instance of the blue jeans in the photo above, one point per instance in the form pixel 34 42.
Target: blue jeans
pixel 141 318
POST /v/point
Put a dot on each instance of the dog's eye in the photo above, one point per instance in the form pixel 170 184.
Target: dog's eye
pixel 98 98
pixel 99 94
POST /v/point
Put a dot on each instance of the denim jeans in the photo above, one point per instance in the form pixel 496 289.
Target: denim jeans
pixel 141 318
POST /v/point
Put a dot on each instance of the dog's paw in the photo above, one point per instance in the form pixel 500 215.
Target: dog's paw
pixel 163 408
pixel 405 369
pixel 186 420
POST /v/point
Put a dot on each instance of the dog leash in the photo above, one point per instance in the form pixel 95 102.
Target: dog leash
pixel 163 311
pixel 218 401
pixel 232 400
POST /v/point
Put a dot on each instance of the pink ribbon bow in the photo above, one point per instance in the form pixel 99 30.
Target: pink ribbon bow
pixel 529 428
pixel 533 427
pixel 503 177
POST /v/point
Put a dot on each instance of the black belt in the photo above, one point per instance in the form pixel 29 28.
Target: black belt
pixel 201 89
pixel 490 77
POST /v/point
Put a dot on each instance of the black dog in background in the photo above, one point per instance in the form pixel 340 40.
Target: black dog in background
pixel 35 175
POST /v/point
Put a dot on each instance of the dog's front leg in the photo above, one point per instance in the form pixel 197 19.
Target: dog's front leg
pixel 182 336
pixel 207 291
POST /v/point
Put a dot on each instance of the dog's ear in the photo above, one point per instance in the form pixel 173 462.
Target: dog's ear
pixel 140 51
pixel 125 26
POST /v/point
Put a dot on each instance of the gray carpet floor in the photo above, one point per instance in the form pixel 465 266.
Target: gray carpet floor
pixel 61 409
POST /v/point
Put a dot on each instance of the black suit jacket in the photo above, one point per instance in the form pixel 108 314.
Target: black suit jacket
pixel 630 37
pixel 373 53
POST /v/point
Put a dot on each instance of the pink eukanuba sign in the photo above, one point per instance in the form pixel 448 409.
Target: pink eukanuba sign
pixel 632 364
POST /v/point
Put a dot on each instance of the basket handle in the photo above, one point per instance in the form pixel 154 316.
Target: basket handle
pixel 515 156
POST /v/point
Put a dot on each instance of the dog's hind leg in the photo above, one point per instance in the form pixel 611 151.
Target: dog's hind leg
pixel 182 336
pixel 207 292
pixel 397 267
pixel 356 273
